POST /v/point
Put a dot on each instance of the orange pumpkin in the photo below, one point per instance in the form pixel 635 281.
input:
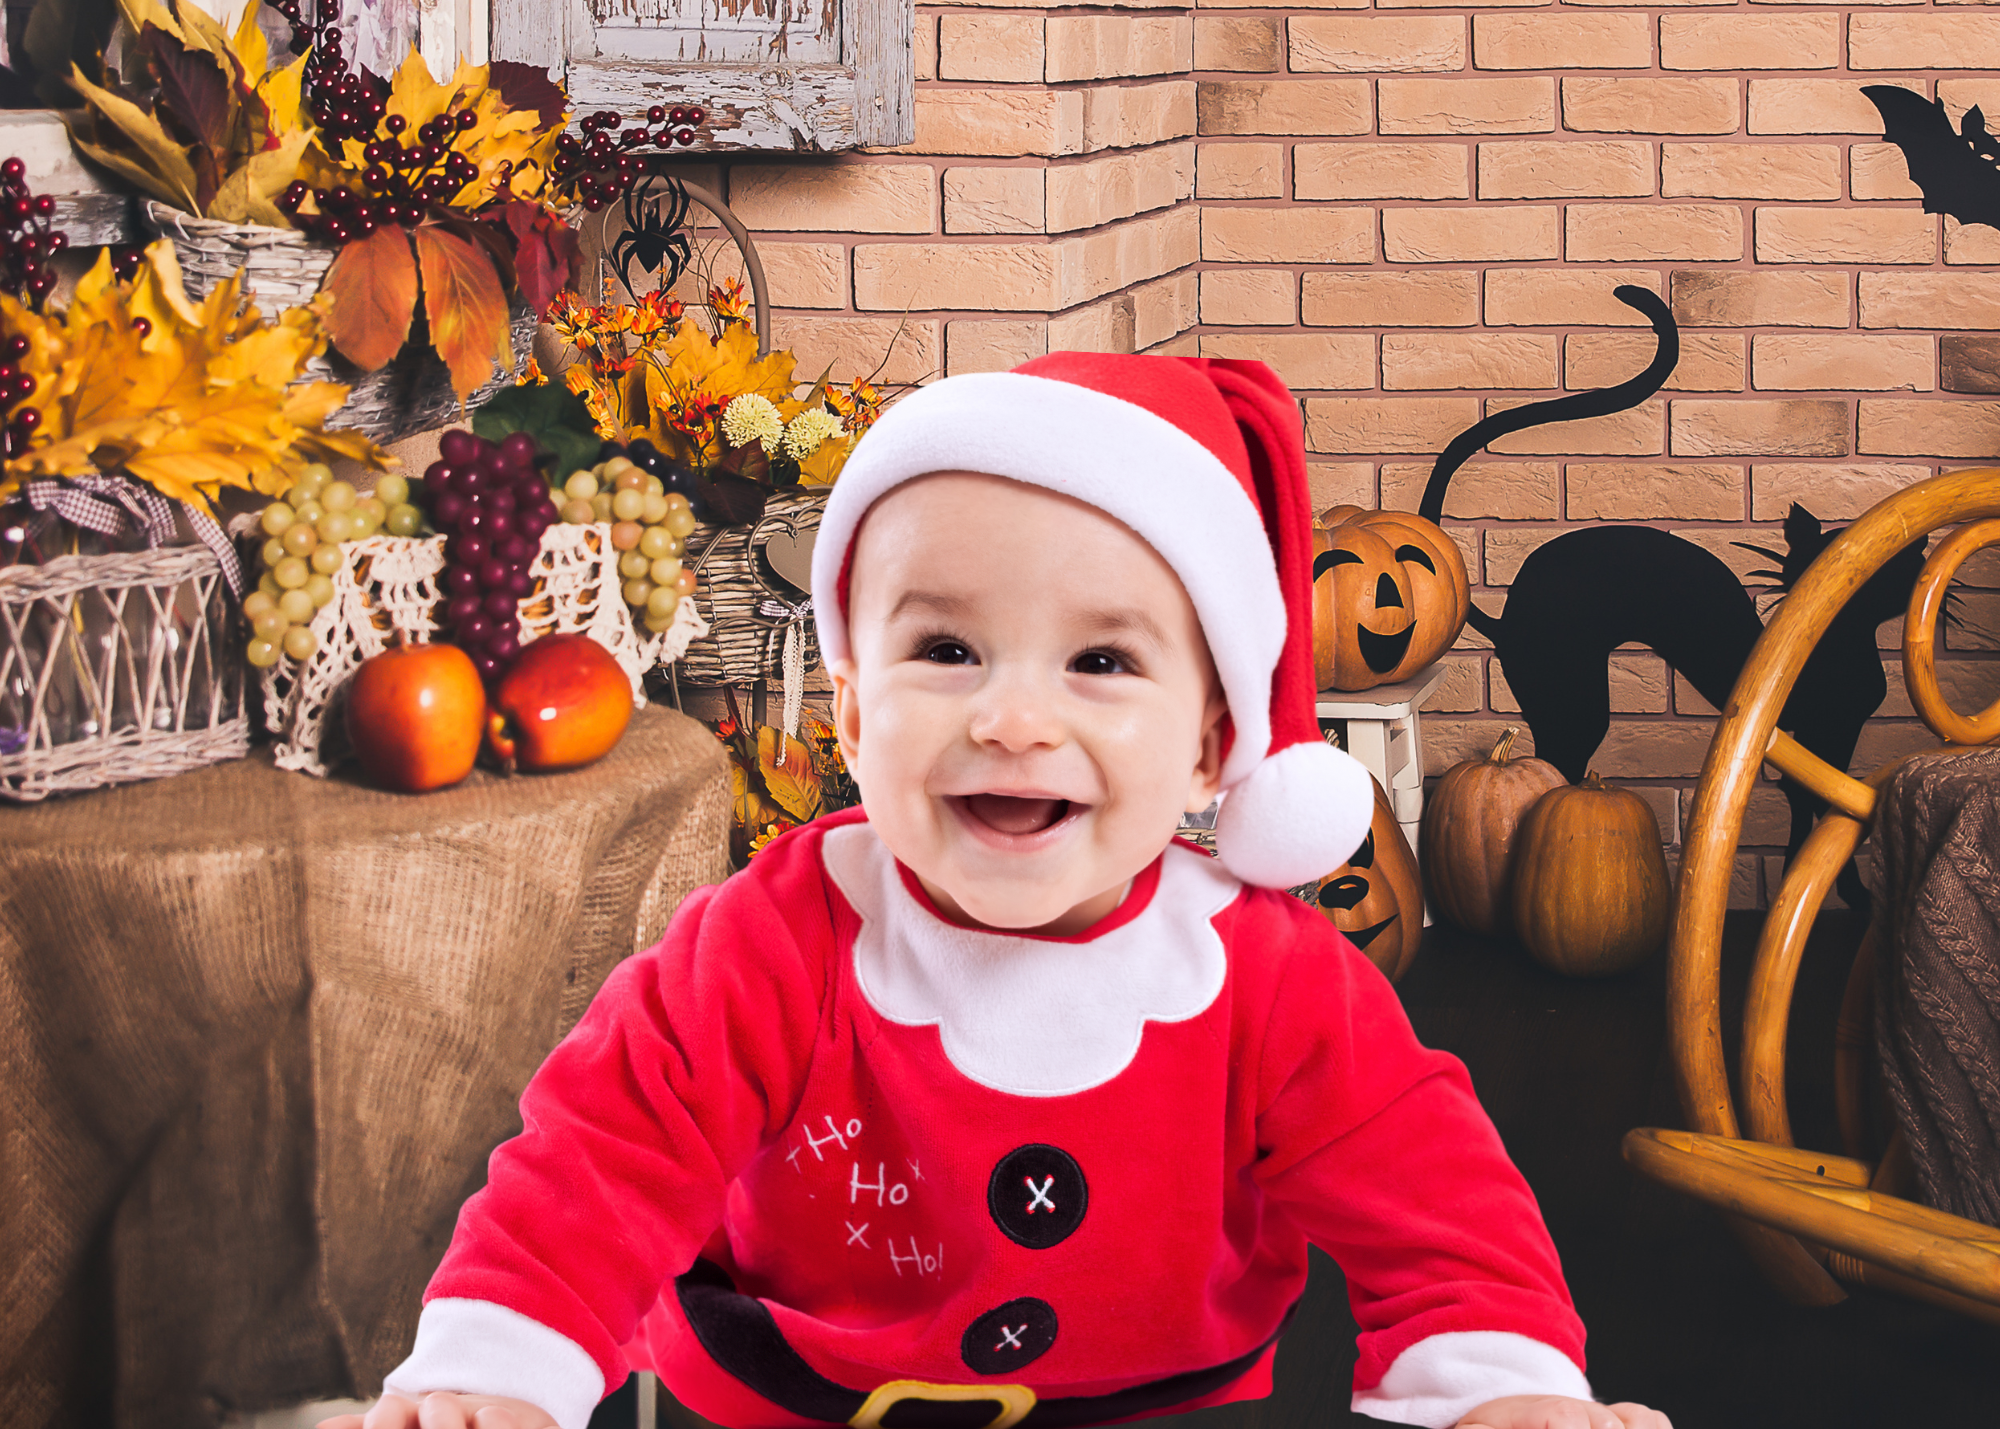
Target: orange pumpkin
pixel 1368 630
pixel 1590 882
pixel 1377 898
pixel 1471 819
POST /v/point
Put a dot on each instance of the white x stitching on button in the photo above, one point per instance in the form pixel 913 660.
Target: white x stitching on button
pixel 1040 1193
pixel 1011 1337
pixel 854 1235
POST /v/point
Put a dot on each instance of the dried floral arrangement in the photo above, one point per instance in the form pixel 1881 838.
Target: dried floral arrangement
pixel 778 781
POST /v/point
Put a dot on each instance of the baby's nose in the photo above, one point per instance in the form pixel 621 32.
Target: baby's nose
pixel 1015 711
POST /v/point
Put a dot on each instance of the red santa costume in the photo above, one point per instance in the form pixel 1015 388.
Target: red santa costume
pixel 823 1156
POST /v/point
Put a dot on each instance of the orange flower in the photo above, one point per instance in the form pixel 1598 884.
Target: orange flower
pixel 857 404
pixel 729 302
pixel 656 312
pixel 572 321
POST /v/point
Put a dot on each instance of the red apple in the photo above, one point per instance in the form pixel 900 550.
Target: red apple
pixel 414 716
pixel 563 703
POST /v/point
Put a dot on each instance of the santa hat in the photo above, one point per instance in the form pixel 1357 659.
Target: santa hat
pixel 1205 459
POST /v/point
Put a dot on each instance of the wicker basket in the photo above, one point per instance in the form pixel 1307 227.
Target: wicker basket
pixel 283 268
pixel 115 668
pixel 746 605
pixel 389 587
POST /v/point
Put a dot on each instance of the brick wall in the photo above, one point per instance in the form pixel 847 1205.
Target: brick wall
pixel 1416 212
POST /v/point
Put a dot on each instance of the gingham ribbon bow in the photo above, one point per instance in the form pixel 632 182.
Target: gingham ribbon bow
pixel 794 617
pixel 111 505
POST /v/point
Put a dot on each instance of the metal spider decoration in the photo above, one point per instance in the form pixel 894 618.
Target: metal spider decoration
pixel 653 236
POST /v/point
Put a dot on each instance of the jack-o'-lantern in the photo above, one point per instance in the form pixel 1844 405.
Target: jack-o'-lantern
pixel 1377 898
pixel 1390 595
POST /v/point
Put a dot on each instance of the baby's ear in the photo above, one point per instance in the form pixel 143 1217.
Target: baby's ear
pixel 1206 782
pixel 846 708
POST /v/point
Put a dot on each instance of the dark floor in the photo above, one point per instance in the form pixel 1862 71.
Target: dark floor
pixel 1678 1318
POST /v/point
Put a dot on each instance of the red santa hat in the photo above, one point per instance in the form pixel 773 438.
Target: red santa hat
pixel 1205 459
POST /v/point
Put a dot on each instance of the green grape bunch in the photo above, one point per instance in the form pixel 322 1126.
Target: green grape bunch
pixel 649 530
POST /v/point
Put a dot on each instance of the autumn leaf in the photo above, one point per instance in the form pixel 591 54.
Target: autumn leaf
pixel 526 86
pixel 464 306
pixel 161 167
pixel 373 284
pixel 545 252
pixel 787 768
pixel 193 88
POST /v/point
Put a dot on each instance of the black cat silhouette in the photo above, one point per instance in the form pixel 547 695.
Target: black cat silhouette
pixel 1588 591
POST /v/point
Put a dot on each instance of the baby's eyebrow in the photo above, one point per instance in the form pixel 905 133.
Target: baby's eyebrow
pixel 1126 620
pixel 953 606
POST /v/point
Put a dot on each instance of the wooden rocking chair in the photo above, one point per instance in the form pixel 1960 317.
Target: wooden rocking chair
pixel 1811 1220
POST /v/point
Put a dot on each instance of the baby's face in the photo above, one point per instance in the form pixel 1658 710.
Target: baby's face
pixel 1030 706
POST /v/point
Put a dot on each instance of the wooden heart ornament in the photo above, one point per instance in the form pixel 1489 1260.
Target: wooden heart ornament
pixel 1390 595
pixel 791 556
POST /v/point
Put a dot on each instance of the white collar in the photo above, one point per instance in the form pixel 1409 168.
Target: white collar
pixel 1036 1017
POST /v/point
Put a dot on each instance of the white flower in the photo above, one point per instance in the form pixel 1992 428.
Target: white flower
pixel 807 430
pixel 751 418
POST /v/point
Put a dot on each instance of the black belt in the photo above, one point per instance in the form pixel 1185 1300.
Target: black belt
pixel 741 1336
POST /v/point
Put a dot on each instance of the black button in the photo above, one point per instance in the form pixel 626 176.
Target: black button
pixel 1037 1195
pixel 1016 1334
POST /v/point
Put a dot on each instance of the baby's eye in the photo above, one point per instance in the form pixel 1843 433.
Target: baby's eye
pixel 947 652
pixel 1099 662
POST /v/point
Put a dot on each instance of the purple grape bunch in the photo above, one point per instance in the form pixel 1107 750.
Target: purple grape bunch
pixel 491 503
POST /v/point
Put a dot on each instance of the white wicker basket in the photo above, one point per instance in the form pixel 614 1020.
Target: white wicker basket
pixel 282 268
pixel 116 668
pixel 389 585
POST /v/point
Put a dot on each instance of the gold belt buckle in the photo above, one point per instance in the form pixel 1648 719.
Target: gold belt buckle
pixel 1015 1400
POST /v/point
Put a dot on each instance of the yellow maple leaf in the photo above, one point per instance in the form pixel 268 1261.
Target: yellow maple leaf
pixel 787 769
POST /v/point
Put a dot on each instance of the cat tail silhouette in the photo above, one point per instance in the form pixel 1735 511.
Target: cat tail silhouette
pixel 1600 402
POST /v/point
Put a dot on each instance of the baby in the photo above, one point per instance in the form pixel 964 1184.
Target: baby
pixel 990 1104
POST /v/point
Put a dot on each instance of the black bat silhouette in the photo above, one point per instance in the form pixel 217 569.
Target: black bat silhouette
pixel 1958 172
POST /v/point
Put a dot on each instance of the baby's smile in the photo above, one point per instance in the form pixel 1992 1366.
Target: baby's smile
pixel 1015 816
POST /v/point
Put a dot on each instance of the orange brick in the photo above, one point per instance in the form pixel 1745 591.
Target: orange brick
pixel 1923 41
pixel 1003 48
pixel 1362 425
pixel 1653 749
pixel 1970 243
pixel 1354 44
pixel 1464 105
pixel 1970 363
pixel 1166 308
pixel 1713 299
pixel 1373 171
pixel 994 200
pixel 1563 297
pixel 1562 41
pixel 1796 171
pixel 1470 235
pixel 1286 106
pixel 1247 43
pixel 1959 95
pixel 1732 42
pixel 979 345
pixel 1391 299
pixel 1647 491
pixel 1710 361
pixel 1082 47
pixel 1930 300
pixel 1637 431
pixel 1309 362
pixel 1651 106
pixel 853 346
pixel 1845 235
pixel 1249 297
pixel 1506 550
pixel 1006 122
pixel 1341 483
pixel 1952 428
pixel 1830 491
pixel 1816 106
pixel 1017 277
pixel 1260 4
pixel 1652 232
pixel 1239 170
pixel 1799 427
pixel 1118 185
pixel 1463 689
pixel 1637 684
pixel 1288 235
pixel 837 198
pixel 804 275
pixel 1120 116
pixel 1721 542
pixel 1554 168
pixel 1483 360
pixel 1480 490
pixel 1839 362
pixel 1095 327
pixel 924 47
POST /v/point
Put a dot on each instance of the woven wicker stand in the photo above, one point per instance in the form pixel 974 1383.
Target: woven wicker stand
pixel 116 668
pixel 282 268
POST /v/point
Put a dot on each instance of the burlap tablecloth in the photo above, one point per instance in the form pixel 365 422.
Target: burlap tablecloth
pixel 258 1033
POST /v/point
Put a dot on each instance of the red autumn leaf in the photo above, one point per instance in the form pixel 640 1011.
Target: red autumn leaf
pixel 194 94
pixel 545 252
pixel 373 283
pixel 464 305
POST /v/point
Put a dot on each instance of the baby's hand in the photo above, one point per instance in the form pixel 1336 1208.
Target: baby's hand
pixel 440 1410
pixel 1550 1411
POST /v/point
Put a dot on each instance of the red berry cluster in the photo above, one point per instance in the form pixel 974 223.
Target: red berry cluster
pixel 344 103
pixel 27 241
pixel 16 386
pixel 403 180
pixel 600 168
pixel 492 503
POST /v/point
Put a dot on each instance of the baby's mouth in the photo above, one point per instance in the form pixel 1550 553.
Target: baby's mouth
pixel 1016 814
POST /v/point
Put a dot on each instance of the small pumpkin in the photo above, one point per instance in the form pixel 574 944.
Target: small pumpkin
pixel 1377 898
pixel 1471 821
pixel 1390 595
pixel 1590 881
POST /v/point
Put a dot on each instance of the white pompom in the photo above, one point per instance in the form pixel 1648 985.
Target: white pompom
pixel 1296 817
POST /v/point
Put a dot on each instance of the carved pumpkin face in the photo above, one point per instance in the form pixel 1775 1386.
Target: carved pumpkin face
pixel 1432 586
pixel 1363 613
pixel 1376 898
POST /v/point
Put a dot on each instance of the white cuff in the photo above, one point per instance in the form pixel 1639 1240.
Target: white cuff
pixel 1435 1381
pixel 477 1347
